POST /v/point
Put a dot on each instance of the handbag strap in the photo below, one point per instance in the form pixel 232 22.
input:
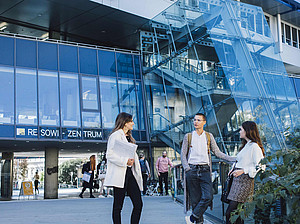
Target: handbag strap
pixel 232 168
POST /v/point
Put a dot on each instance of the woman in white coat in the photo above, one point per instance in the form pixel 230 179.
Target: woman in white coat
pixel 124 174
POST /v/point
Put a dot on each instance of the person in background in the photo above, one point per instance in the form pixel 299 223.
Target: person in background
pixel 89 167
pixel 36 182
pixel 145 171
pixel 162 168
pixel 245 169
pixel 101 170
pixel 123 173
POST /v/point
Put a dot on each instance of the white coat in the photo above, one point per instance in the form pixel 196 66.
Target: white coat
pixel 117 165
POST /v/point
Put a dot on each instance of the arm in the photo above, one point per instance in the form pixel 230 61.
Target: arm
pixel 157 162
pixel 147 167
pixel 217 152
pixel 113 157
pixel 170 163
pixel 183 154
pixel 256 158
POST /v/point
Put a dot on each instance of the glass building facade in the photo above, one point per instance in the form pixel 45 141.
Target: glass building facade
pixel 54 91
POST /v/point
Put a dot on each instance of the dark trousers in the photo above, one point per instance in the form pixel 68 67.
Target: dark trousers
pixel 145 177
pixel 199 186
pixel 231 207
pixel 91 190
pixel 133 191
pixel 163 177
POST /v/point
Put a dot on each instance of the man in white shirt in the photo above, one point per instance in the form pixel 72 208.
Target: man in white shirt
pixel 196 161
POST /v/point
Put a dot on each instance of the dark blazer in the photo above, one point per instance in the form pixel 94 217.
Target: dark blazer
pixel 86 168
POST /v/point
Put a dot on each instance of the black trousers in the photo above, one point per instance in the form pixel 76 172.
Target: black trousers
pixel 145 177
pixel 133 191
pixel 231 207
pixel 91 190
pixel 163 177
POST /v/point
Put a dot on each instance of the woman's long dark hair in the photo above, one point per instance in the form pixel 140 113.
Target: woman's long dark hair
pixel 252 133
pixel 120 122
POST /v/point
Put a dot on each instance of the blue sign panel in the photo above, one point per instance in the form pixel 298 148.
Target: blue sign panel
pixel 49 133
pixel 92 134
pixel 7 131
pixel 26 132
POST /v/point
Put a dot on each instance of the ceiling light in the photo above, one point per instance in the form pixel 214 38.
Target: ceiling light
pixel 3 28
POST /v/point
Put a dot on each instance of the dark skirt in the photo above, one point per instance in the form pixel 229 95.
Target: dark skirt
pixel 242 189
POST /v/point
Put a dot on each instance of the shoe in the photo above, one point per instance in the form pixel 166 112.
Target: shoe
pixel 80 196
pixel 92 196
pixel 188 220
pixel 101 196
pixel 109 196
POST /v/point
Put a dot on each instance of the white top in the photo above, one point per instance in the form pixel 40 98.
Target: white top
pixel 198 150
pixel 248 158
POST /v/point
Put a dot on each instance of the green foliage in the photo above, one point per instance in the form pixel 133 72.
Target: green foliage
pixel 280 181
pixel 65 170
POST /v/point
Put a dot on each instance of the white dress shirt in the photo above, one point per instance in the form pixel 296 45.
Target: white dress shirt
pixel 198 150
pixel 248 158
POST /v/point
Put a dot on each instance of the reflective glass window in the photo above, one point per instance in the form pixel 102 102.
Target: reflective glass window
pixel 294 34
pixel 89 93
pixel 250 19
pixel 109 101
pixel 259 23
pixel 127 98
pixel 6 95
pixel 125 65
pixel 91 119
pixel 297 85
pixel 288 35
pixel 48 98
pixel 26 96
pixel 7 51
pixel 47 56
pixel 107 63
pixel 26 53
pixel 68 58
pixel 267 26
pixel 140 105
pixel 137 68
pixel 88 61
pixel 69 93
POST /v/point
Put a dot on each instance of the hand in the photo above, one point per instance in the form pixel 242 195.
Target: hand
pixel 158 173
pixel 90 171
pixel 130 162
pixel 149 175
pixel 237 173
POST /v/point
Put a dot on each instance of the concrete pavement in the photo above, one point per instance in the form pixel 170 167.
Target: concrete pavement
pixel 65 211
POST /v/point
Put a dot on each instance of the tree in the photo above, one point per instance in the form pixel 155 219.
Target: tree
pixel 67 169
pixel 278 184
pixel 23 168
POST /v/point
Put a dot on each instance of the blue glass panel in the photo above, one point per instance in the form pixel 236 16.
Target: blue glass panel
pixel 107 64
pixel 68 58
pixel 88 61
pixel 47 56
pixel 140 105
pixel 26 53
pixel 26 132
pixel 137 67
pixel 125 65
pixel 143 136
pixel 89 93
pixel 69 93
pixel 7 131
pixel 6 95
pixel 91 119
pixel 297 85
pixel 106 133
pixel 26 98
pixel 136 135
pixel 92 134
pixel 127 99
pixel 109 101
pixel 49 133
pixel 7 51
pixel 48 98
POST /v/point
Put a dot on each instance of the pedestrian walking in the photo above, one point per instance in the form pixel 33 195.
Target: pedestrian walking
pixel 88 169
pixel 162 168
pixel 101 170
pixel 124 173
pixel 145 171
pixel 196 161
pixel 245 169
pixel 36 182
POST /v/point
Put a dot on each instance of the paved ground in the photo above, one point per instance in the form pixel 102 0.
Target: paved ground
pixel 156 210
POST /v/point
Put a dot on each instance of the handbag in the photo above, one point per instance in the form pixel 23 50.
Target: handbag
pixel 226 188
pixel 86 177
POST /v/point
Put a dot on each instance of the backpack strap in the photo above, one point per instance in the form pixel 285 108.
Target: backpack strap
pixel 189 143
pixel 208 141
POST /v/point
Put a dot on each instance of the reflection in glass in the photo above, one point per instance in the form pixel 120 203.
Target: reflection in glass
pixel 89 93
pixel 137 69
pixel 127 99
pixel 68 58
pixel 88 61
pixel 48 98
pixel 70 107
pixel 6 95
pixel 107 64
pixel 125 66
pixel 47 56
pixel 109 101
pixel 91 119
pixel 26 53
pixel 26 98
pixel 140 105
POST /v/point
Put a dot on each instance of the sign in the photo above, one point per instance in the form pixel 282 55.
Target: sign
pixel 26 188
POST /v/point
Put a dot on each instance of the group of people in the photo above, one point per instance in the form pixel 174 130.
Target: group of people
pixel 129 175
